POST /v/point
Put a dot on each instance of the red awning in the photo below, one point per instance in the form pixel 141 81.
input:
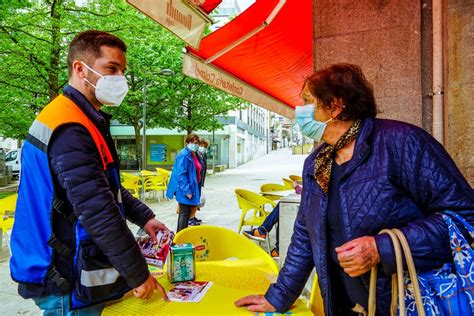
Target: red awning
pixel 209 5
pixel 267 47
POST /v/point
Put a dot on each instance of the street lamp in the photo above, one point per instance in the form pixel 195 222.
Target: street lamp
pixel 163 72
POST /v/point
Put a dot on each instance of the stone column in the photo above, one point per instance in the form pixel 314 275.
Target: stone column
pixel 459 108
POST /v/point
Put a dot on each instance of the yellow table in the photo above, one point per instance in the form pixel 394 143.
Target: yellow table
pixel 230 282
pixel 279 193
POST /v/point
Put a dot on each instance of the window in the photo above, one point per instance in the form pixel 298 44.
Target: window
pixel 11 156
pixel 213 150
pixel 127 154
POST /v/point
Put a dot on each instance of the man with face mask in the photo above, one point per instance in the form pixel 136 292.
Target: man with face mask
pixel 71 246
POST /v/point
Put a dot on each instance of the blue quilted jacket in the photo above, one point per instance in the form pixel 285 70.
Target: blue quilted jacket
pixel 399 176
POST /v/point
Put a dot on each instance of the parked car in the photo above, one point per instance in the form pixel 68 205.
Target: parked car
pixel 13 159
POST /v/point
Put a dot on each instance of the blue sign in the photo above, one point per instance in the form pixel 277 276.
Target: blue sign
pixel 157 152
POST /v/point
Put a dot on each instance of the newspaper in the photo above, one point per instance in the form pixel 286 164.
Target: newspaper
pixel 190 291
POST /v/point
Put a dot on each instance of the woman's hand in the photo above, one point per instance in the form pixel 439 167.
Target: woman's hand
pixel 358 256
pixel 189 196
pixel 255 303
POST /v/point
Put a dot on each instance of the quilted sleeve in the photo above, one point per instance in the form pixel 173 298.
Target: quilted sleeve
pixel 135 211
pixel 435 184
pixel 298 263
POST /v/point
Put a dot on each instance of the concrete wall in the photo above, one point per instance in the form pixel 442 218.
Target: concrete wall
pixel 391 40
pixel 460 85
pixel 383 38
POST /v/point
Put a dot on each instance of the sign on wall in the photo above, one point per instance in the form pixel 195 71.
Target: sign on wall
pixel 157 152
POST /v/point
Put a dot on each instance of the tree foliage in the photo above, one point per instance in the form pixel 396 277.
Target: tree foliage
pixel 34 36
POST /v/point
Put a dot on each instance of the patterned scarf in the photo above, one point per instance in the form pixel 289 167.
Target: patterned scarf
pixel 324 159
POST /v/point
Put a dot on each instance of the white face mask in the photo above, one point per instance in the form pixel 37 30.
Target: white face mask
pixel 109 89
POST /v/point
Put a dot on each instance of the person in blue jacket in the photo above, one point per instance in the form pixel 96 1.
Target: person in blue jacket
pixel 185 180
pixel 71 244
pixel 367 175
pixel 202 155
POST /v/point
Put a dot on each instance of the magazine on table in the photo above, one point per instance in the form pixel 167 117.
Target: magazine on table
pixel 155 254
pixel 190 291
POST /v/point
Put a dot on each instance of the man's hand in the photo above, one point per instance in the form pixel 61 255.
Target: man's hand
pixel 145 291
pixel 255 303
pixel 152 227
pixel 189 196
pixel 358 256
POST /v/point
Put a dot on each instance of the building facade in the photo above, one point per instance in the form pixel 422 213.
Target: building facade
pixel 245 135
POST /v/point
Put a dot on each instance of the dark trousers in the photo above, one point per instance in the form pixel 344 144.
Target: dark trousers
pixel 184 213
pixel 270 221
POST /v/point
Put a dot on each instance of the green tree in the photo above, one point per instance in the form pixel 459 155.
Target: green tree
pixel 33 46
pixel 34 37
pixel 194 105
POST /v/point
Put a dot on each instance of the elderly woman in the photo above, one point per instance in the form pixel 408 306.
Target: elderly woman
pixel 202 155
pixel 367 175
pixel 185 179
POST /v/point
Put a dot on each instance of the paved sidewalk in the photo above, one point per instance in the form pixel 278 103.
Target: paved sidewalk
pixel 221 209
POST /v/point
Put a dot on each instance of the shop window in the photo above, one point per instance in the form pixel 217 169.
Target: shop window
pixel 213 151
pixel 127 153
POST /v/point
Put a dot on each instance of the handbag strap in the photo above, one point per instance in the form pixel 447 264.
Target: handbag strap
pixel 398 284
pixel 411 271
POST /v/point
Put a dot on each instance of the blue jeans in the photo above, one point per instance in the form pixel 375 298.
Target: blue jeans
pixel 270 221
pixel 59 305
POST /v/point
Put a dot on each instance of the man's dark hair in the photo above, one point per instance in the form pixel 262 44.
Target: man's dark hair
pixel 345 81
pixel 87 46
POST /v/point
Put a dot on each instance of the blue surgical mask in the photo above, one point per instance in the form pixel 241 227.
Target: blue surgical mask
pixel 309 126
pixel 202 150
pixel 193 147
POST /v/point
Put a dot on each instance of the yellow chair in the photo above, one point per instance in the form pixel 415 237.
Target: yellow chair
pixel 250 201
pixel 162 170
pixel 316 301
pixel 296 178
pixel 287 183
pixel 224 247
pixel 7 213
pixel 146 173
pixel 6 224
pixel 8 203
pixel 130 176
pixel 156 183
pixel 167 172
pixel 270 187
pixel 131 183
